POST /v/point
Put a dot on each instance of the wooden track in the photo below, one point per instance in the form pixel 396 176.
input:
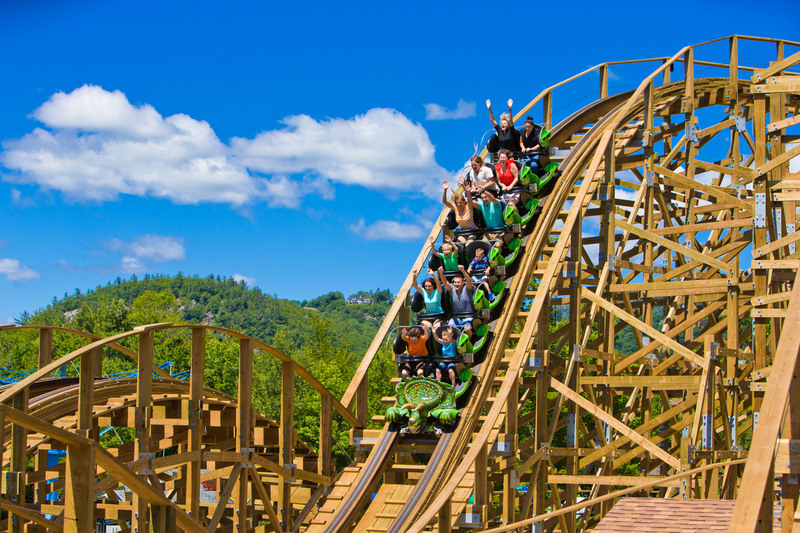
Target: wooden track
pixel 651 228
pixel 673 225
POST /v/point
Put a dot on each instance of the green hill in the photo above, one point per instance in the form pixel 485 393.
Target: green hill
pixel 326 335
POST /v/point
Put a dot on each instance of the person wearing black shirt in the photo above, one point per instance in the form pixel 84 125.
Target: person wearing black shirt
pixel 507 137
pixel 529 135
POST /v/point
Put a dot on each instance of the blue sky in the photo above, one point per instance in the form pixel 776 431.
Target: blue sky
pixel 300 146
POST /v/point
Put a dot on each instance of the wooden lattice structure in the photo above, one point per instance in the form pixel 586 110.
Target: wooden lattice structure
pixel 673 224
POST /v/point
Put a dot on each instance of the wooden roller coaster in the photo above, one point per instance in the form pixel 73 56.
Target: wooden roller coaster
pixel 674 222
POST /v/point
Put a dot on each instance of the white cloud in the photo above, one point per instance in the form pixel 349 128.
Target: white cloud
pixel 95 146
pixel 251 282
pixel 463 110
pixel 388 230
pixel 19 201
pixel 140 251
pixel 132 264
pixel 13 271
pixel 381 149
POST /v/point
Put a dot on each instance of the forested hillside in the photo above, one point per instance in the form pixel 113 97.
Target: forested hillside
pixel 325 335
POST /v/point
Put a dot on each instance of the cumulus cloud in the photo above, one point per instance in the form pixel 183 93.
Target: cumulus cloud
pixel 251 282
pixel 381 149
pixel 95 146
pixel 388 230
pixel 156 248
pixel 140 252
pixel 463 110
pixel 13 271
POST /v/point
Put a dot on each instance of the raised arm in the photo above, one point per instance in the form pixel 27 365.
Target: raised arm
pixel 425 331
pixel 444 278
pixel 468 194
pixel 414 280
pixel 467 278
pixel 491 116
pixel 510 113
pixel 445 187
pixel 492 199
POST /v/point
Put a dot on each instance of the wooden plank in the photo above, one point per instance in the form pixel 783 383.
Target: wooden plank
pixel 768 313
pixel 717 192
pixel 777 84
pixel 781 124
pixel 610 480
pixel 244 424
pixel 775 162
pixel 700 286
pixel 644 328
pixel 674 246
pixel 30 514
pixel 757 472
pixel 703 226
pixel 653 382
pixel 614 423
pixel 776 67
pixel 765 249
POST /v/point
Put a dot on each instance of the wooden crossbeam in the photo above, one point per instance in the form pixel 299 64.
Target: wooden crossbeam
pixel 614 423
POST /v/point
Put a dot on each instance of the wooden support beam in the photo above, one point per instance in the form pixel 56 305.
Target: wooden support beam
pixel 244 437
pixel 195 416
pixel 614 423
pixel 287 442
pixel 758 471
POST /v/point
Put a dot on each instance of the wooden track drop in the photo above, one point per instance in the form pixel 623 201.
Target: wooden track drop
pixel 674 224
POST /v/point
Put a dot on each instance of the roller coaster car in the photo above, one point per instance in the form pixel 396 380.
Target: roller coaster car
pixel 533 175
pixel 481 301
pixel 470 345
pixel 420 399
pixel 497 258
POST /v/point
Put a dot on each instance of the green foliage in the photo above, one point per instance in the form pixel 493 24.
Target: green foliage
pixel 326 336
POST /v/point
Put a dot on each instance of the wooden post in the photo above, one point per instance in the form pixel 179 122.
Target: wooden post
pixel 362 401
pixel 45 346
pixel 603 71
pixel 142 443
pixel 78 493
pixel 195 416
pixel 287 442
pixel 481 481
pixel 547 110
pixel 326 466
pixel 244 441
pixel 510 475
pixel 444 517
pixel 19 456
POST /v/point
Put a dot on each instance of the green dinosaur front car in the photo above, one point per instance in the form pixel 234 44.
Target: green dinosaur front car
pixel 419 398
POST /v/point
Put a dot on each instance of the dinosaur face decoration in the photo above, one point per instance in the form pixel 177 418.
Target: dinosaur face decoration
pixel 419 399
